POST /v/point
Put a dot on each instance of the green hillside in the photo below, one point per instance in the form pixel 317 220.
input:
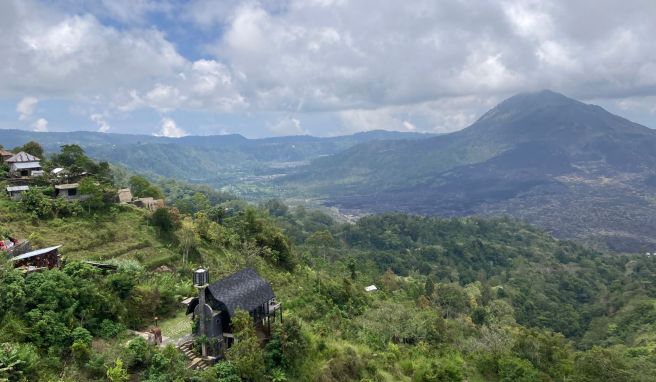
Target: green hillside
pixel 458 299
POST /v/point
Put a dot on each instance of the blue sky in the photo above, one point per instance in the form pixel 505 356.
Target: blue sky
pixel 320 67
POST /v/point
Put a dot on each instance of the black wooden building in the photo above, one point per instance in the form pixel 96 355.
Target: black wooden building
pixel 244 290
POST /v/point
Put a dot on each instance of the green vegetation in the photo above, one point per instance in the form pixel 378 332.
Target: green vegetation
pixel 457 299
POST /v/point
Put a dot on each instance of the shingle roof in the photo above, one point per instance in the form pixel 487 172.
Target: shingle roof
pixel 23 157
pixel 244 289
pixel 34 253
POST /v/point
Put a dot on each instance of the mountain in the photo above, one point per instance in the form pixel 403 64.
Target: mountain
pixel 239 164
pixel 572 168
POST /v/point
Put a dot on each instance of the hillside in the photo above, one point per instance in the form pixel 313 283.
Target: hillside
pixel 232 162
pixel 459 299
pixel 574 169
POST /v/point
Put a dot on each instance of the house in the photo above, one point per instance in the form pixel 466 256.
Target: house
pixel 217 303
pixel 149 203
pixel 67 191
pixel 39 259
pixel 16 192
pixel 124 196
pixel 59 172
pixel 24 165
pixel 4 155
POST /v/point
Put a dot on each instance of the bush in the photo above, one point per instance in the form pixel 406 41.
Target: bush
pixel 18 362
pixel 110 329
pixel 513 369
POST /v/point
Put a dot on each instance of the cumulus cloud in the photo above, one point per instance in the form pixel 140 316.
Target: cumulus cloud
pixel 287 126
pixel 170 129
pixel 296 57
pixel 101 121
pixel 40 125
pixel 25 107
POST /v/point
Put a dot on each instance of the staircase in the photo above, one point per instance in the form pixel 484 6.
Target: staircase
pixel 195 361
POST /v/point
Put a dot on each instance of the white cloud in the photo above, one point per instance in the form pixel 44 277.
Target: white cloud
pixel 170 129
pixel 101 121
pixel 25 107
pixel 435 65
pixel 287 126
pixel 40 125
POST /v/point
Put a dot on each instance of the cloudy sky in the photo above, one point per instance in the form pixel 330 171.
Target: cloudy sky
pixel 320 67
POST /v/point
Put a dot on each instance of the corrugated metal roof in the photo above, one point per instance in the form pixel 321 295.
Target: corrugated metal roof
pixel 67 186
pixel 244 289
pixel 5 153
pixel 17 188
pixel 23 157
pixel 35 253
pixel 26 165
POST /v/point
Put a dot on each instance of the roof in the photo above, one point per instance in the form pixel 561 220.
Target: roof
pixel 24 165
pixel 35 253
pixel 5 153
pixel 17 188
pixel 370 288
pixel 67 186
pixel 244 289
pixel 57 170
pixel 23 157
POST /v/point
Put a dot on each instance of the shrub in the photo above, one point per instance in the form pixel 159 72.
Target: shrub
pixel 110 329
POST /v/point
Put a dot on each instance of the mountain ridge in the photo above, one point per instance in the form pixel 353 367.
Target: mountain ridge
pixel 541 156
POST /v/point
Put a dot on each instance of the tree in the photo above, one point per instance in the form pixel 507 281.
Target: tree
pixel 321 240
pixel 142 188
pixel 163 220
pixel 117 373
pixel 245 354
pixel 71 155
pixel 31 147
pixel 188 238
pixel 513 369
pixel 18 362
pixel 94 193
pixel 451 298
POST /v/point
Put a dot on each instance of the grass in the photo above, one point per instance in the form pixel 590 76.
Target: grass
pixel 176 327
pixel 123 235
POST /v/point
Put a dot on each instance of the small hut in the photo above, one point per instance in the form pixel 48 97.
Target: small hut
pixel 67 191
pixel 149 203
pixel 4 155
pixel 39 259
pixel 16 192
pixel 124 196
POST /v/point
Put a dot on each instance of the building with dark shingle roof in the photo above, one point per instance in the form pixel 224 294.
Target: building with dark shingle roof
pixel 244 290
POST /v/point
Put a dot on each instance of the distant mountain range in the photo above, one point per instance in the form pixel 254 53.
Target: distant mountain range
pixel 232 162
pixel 572 168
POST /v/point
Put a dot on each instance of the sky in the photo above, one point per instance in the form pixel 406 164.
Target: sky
pixel 318 67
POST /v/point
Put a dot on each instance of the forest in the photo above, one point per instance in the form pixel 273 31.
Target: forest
pixel 460 299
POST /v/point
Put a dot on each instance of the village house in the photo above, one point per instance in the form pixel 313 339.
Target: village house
pixel 124 196
pixel 24 165
pixel 149 203
pixel 67 191
pixel 217 303
pixel 4 155
pixel 16 192
pixel 38 259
